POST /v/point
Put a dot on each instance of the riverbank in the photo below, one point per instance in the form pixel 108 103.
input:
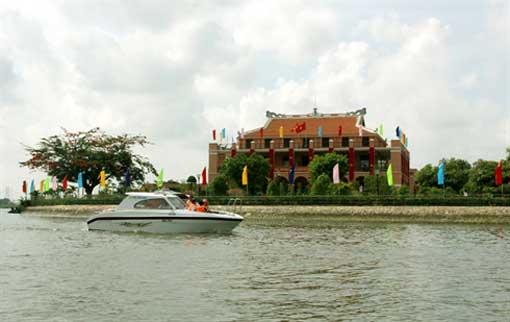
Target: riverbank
pixel 409 214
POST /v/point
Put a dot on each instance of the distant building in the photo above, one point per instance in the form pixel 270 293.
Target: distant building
pixel 308 135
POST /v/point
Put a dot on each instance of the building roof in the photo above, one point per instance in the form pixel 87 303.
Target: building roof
pixel 330 124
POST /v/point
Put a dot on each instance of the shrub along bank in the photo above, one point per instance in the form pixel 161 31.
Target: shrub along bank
pixel 302 200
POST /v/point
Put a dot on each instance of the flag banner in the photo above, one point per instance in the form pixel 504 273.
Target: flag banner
pixel 245 176
pixel 127 178
pixel 24 186
pixel 440 174
pixel 80 180
pixel 298 128
pixel 336 174
pixel 159 180
pixel 281 132
pixel 389 175
pixel 102 179
pixel 47 184
pixel 64 183
pixel 319 131
pixel 261 132
pixel 214 135
pixel 381 130
pixel 499 173
pixel 204 177
pixel 223 133
pixel 32 186
pixel 292 172
pixel 360 130
pixel 41 186
pixel 407 141
pixel 397 132
pixel 54 183
pixel 340 130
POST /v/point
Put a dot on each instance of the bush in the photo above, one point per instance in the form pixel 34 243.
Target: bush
pixel 218 187
pixel 341 189
pixel 320 187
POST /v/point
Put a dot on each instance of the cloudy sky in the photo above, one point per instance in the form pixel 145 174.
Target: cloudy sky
pixel 173 70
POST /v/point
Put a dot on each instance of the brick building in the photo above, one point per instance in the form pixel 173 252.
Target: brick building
pixel 295 139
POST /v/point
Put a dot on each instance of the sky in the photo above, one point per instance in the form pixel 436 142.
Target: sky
pixel 174 70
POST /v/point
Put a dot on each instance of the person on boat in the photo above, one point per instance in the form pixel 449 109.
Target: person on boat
pixel 204 206
pixel 190 204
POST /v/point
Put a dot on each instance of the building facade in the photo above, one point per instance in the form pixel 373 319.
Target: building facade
pixel 287 140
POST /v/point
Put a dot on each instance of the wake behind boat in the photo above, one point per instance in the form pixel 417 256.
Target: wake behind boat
pixel 161 213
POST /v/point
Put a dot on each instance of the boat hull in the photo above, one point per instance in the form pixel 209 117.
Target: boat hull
pixel 164 224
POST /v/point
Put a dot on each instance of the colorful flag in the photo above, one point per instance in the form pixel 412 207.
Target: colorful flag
pixel 319 131
pixel 159 180
pixel 340 130
pixel 214 135
pixel 24 186
pixel 47 184
pixel 80 180
pixel 102 179
pixel 397 130
pixel 32 186
pixel 360 130
pixel 336 174
pixel 54 183
pixel 499 174
pixel 204 177
pixel 223 133
pixel 41 186
pixel 281 132
pixel 299 127
pixel 389 175
pixel 407 141
pixel 381 130
pixel 245 176
pixel 292 171
pixel 64 183
pixel 440 174
pixel 127 178
pixel 261 132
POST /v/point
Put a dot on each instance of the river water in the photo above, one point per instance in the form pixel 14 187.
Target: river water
pixel 292 269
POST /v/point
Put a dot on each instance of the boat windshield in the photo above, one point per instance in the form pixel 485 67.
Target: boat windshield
pixel 177 203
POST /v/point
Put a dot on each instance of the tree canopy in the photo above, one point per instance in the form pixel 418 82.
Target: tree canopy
pixel 324 164
pixel 90 152
pixel 258 171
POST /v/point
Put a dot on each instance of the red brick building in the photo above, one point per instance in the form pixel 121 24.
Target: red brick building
pixel 295 139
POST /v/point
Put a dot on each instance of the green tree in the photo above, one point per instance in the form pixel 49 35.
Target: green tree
pixel 324 164
pixel 426 177
pixel 481 176
pixel 258 171
pixel 321 185
pixel 218 187
pixel 89 152
pixel 372 187
pixel 456 173
pixel 341 189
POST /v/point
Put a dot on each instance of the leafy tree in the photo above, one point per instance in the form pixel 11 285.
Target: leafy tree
pixel 372 187
pixel 219 186
pixel 258 171
pixel 324 164
pixel 89 152
pixel 341 189
pixel 426 177
pixel 456 173
pixel 482 175
pixel 277 187
pixel 320 186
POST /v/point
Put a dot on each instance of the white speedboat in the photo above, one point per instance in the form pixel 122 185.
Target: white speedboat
pixel 161 213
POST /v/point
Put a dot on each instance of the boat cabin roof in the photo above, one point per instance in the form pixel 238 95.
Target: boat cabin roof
pixel 135 197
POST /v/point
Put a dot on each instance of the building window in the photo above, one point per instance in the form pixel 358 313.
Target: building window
pixel 286 143
pixel 365 141
pixel 325 142
pixel 248 144
pixel 345 142
pixel 267 143
pixel 306 142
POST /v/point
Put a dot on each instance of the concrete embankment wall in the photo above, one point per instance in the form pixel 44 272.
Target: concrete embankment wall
pixel 410 214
